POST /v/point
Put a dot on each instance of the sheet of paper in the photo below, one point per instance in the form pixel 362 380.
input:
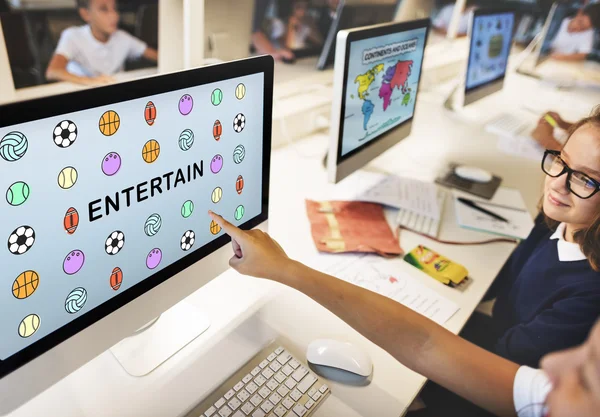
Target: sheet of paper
pixel 385 277
pixel 507 203
pixel 520 146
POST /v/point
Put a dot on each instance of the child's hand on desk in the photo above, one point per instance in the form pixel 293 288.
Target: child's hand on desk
pixel 99 80
pixel 544 135
pixel 255 252
pixel 563 124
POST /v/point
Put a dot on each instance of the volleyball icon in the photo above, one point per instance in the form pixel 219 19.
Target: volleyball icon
pixel 116 278
pixel 29 325
pixel 240 91
pixel 217 130
pixel 67 178
pixel 25 284
pixel 13 146
pixel 151 151
pixel 239 122
pixel 186 140
pixel 71 220
pixel 239 184
pixel 152 224
pixel 109 123
pixel 150 113
pixel 17 193
pixel 217 194
pixel 216 97
pixel 75 300
pixel 21 240
pixel 214 227
pixel 238 154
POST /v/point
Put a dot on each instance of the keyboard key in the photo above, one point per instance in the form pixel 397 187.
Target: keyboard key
pixel 247 378
pixel 263 364
pixel 306 383
pixel 284 358
pixel 272 385
pixel 252 388
pixel 278 350
pixel 267 373
pixel 220 403
pixel 283 391
pixel 312 392
pixel 300 410
pixel 238 386
pixel 295 395
pixel 234 404
pixel 288 403
pixel 238 414
pixel 323 389
pixel 280 377
pixel 275 366
pixel 256 400
pixel 294 364
pixel 287 370
pixel 300 373
pixel 247 408
pixel 264 392
pixel 260 380
pixel 309 404
pixel 229 394
pixel 258 413
pixel 317 396
pixel 272 357
pixel 225 411
pixel 280 411
pixel 211 411
pixel 290 383
pixel 256 371
pixel 267 406
pixel 243 395
pixel 275 398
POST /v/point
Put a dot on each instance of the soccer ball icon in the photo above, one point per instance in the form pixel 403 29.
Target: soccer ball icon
pixel 239 122
pixel 65 134
pixel 187 240
pixel 21 240
pixel 115 242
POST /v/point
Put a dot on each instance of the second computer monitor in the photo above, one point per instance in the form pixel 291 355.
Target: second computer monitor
pixel 491 34
pixel 376 81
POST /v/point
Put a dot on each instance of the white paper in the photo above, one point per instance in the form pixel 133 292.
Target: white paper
pixel 519 223
pixel 521 146
pixel 386 277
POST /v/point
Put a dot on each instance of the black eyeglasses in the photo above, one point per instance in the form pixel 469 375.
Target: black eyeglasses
pixel 580 184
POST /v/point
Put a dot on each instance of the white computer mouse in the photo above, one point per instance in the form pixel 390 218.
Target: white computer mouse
pixel 339 355
pixel 474 174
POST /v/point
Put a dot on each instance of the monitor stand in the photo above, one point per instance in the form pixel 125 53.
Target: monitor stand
pixel 154 343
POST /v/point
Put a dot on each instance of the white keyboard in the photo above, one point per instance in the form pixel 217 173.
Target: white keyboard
pixel 507 124
pixel 272 384
pixel 420 223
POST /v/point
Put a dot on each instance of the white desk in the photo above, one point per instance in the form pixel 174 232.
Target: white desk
pixel 246 313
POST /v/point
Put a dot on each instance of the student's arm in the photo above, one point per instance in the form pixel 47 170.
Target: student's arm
pixel 544 135
pixel 569 57
pixel 415 341
pixel 151 54
pixel 264 46
pixel 57 71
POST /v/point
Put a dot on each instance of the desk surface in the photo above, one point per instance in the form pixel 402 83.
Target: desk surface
pixel 247 313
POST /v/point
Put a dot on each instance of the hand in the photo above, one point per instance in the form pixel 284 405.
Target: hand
pixel 559 120
pixel 99 80
pixel 544 135
pixel 282 54
pixel 255 253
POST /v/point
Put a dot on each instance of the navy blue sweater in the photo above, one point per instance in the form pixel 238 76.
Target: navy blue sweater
pixel 542 304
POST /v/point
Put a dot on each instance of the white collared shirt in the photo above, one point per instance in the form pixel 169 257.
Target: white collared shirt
pixel 568 43
pixel 567 251
pixel 530 389
pixel 88 57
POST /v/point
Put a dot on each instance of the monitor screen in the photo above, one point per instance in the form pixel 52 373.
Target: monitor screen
pixel 491 39
pixel 380 88
pixel 103 202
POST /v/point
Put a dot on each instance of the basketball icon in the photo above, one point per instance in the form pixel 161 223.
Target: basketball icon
pixel 217 97
pixel 25 284
pixel 116 278
pixel 150 113
pixel 109 123
pixel 239 184
pixel 214 227
pixel 17 194
pixel 240 91
pixel 67 178
pixel 71 220
pixel 29 325
pixel 151 151
pixel 217 194
pixel 217 130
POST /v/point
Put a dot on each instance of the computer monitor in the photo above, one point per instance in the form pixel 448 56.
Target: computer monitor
pixel 490 36
pixel 351 14
pixel 104 209
pixel 376 83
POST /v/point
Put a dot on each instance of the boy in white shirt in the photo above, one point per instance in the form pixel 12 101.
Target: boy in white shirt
pixel 575 38
pixel 92 53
